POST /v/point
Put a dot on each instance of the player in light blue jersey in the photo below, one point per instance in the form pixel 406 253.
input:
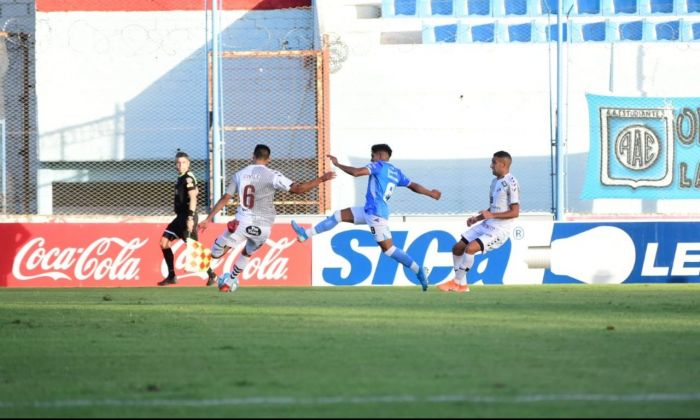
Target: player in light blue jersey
pixel 384 178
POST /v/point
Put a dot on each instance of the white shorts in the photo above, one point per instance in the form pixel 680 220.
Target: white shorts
pixel 254 236
pixel 377 225
pixel 491 237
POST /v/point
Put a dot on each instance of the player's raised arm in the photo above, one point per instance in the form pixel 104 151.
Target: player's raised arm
pixel 350 170
pixel 419 189
pixel 302 187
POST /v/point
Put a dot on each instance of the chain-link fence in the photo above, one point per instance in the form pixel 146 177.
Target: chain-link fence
pixel 18 120
pixel 278 98
pixel 122 93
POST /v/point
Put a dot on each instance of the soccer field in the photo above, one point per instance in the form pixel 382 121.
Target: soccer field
pixel 516 351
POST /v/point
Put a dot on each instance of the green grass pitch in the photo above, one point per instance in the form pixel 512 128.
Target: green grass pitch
pixel 499 351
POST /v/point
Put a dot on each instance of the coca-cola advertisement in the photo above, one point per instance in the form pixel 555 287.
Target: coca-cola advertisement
pixel 129 255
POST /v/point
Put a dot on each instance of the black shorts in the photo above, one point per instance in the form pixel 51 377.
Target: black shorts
pixel 177 229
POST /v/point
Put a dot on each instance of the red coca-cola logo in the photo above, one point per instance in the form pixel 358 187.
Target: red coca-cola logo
pixel 105 258
pixel 128 254
pixel 270 263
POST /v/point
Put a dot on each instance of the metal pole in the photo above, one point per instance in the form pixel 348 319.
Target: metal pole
pixel 216 103
pixel 559 167
pixel 4 168
pixel 207 121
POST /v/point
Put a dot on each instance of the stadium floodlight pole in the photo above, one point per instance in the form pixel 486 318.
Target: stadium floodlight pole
pixel 216 98
pixel 559 167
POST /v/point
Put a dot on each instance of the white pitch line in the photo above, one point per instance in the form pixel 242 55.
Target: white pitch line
pixel 388 399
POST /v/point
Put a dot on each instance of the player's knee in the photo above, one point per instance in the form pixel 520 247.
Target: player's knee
pixel 476 246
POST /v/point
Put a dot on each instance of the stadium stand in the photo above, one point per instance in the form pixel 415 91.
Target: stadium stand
pixel 478 21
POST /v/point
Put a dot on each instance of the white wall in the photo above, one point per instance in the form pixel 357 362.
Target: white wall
pixel 132 85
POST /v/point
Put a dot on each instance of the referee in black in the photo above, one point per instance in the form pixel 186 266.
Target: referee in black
pixel 184 224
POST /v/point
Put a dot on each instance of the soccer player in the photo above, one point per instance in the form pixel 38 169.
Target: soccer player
pixel 185 223
pixel 256 185
pixel 384 178
pixel 495 229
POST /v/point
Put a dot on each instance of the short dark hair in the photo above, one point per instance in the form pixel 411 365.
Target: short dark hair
pixel 180 154
pixel 502 154
pixel 261 152
pixel 381 148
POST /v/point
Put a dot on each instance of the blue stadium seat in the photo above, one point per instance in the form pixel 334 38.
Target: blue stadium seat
pixel 392 8
pixel 405 7
pixel 668 31
pixel 478 7
pixel 483 33
pixel 520 32
pixel 441 7
pixel 661 6
pixel 588 7
pixel 595 31
pixel 516 7
pixel 631 31
pixel 625 6
pixel 446 33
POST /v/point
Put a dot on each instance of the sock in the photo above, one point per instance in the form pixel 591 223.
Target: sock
pixel 462 264
pixel 169 261
pixel 241 264
pixel 469 259
pixel 459 267
pixel 329 223
pixel 400 256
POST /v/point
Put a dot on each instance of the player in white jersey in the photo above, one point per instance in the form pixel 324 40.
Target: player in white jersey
pixel 495 229
pixel 256 185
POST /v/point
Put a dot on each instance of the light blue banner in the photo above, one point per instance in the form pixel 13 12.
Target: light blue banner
pixel 646 148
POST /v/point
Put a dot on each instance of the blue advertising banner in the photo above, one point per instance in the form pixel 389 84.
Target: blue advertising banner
pixel 626 252
pixel 647 148
pixel 538 252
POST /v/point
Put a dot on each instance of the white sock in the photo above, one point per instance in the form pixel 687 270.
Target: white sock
pixel 460 267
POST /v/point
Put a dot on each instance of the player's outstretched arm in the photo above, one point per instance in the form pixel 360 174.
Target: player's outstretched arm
pixel 419 189
pixel 350 170
pixel 214 211
pixel 302 187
